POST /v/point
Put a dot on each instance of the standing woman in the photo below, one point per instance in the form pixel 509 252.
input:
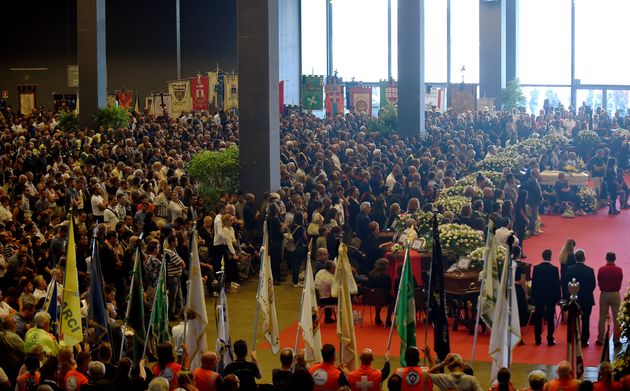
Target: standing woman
pixel 296 257
pixel 567 258
pixel 521 219
pixel 612 185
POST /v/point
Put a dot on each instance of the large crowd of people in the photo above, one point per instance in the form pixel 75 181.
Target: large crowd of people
pixel 339 182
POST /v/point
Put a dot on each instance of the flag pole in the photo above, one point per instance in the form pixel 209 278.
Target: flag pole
pixel 192 237
pixel 402 274
pixel 133 278
pixel 481 284
pixel 297 332
pixel 509 287
pixel 147 334
pixel 339 311
pixel 428 301
pixel 260 275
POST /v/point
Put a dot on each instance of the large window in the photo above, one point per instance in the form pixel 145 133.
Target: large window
pixel 600 41
pixel 536 97
pixel 314 37
pixel 465 40
pixel 360 39
pixel 435 42
pixel 544 41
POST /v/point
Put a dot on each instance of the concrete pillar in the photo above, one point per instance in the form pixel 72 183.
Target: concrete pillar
pixel 511 31
pixel 493 48
pixel 411 67
pixel 92 59
pixel 258 96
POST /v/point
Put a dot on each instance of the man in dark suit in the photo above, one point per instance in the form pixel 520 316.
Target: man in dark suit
pixel 586 277
pixel 546 293
pixel 362 223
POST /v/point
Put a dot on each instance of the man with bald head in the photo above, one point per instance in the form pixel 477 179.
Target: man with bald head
pixel 367 378
pixel 206 377
pixel 565 381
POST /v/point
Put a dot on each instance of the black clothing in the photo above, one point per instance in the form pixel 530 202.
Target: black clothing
pixel 546 293
pixel 586 277
pixel 246 371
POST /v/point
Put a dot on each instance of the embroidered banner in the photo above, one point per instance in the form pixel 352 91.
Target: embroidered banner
pixel 361 99
pixel 312 96
pixel 124 98
pixel 230 90
pixel 334 98
pixel 200 93
pixel 28 98
pixel 181 100
pixel 213 82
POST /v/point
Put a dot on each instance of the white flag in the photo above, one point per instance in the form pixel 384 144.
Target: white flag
pixel 224 343
pixel 266 298
pixel 490 277
pixel 196 310
pixel 343 287
pixel 309 318
pixel 506 329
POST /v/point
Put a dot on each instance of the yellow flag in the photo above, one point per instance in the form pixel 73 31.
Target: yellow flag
pixel 71 331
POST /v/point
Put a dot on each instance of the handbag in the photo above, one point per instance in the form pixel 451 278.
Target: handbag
pixel 289 242
pixel 312 229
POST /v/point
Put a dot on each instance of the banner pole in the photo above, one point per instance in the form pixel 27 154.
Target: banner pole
pixel 402 274
pixel 481 284
pixel 260 275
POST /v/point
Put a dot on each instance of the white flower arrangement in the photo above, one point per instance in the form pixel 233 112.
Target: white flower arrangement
pixel 451 203
pixel 476 256
pixel 588 199
pixel 459 239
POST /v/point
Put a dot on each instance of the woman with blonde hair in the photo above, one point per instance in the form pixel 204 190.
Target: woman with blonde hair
pixel 566 259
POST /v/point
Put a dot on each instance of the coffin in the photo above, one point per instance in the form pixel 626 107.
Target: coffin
pixel 461 282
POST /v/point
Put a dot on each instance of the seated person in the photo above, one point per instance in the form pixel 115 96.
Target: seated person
pixel 379 279
pixel 323 284
pixel 564 192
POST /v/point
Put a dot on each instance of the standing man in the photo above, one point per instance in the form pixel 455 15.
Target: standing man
pixel 586 277
pixel 327 377
pixel 362 222
pixel 534 198
pixel 413 376
pixel 206 377
pixel 609 278
pixel 546 293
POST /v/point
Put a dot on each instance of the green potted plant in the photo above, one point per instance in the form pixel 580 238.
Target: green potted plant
pixel 513 95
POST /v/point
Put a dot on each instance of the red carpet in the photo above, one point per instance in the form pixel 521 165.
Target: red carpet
pixel 596 234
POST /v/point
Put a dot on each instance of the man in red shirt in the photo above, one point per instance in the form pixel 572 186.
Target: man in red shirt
pixel 564 381
pixel 609 279
pixel 206 377
pixel 367 378
pixel 606 382
pixel 327 377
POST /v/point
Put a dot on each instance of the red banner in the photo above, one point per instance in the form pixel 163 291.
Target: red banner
pixel 361 99
pixel 281 96
pixel 391 93
pixel 334 98
pixel 125 99
pixel 200 91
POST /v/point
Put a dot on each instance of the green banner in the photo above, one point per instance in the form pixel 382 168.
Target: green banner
pixel 312 92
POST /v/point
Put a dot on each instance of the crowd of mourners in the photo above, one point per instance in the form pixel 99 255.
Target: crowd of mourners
pixel 339 182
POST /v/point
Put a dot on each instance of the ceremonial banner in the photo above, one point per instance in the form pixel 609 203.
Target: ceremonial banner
pixel 224 342
pixel 28 98
pixel 197 317
pixel 391 93
pixel 157 103
pixel 435 98
pixel 437 298
pixel 213 82
pixel 506 328
pixel 334 98
pixel 97 309
pixel 281 96
pixel 343 287
pixel 230 91
pixel 490 277
pixel 181 101
pixel 200 93
pixel 135 309
pixel 71 326
pixel 124 98
pixel 111 100
pixel 309 318
pixel 406 311
pixel 266 297
pixel 312 97
pixel 361 99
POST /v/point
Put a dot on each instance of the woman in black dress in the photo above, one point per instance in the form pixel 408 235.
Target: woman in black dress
pixel 295 258
pixel 612 185
pixel 520 217
pixel 567 258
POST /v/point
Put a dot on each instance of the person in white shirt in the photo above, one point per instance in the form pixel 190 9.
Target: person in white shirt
pixel 323 284
pixel 98 204
pixel 40 287
pixel 176 207
pixel 110 217
pixel 5 213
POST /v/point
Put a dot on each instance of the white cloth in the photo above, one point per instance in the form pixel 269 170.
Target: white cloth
pixel 219 239
pixel 96 200
pixel 110 218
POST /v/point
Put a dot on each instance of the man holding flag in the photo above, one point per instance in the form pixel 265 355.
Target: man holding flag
pixel 135 309
pixel 406 309
pixel 71 330
pixel 224 342
pixel 97 300
pixel 195 332
pixel 343 287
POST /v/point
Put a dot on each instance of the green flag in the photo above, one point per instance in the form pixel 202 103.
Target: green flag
pixel 406 310
pixel 312 93
pixel 159 315
pixel 135 312
pixel 383 86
